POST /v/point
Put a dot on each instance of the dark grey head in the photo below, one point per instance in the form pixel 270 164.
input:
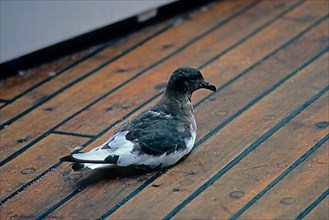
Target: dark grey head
pixel 186 80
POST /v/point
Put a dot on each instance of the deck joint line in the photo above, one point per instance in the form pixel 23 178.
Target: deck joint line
pixel 84 76
pixel 262 60
pixel 58 73
pixel 58 165
pixel 100 49
pixel 4 101
pixel 25 186
pixel 313 205
pixel 227 121
pixel 140 188
pixel 246 152
pixel 253 33
pixel 73 134
pixel 14 155
pixel 281 176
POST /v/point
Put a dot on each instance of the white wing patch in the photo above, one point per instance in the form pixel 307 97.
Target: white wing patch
pixel 98 155
pixel 118 141
pixel 116 145
pixel 164 160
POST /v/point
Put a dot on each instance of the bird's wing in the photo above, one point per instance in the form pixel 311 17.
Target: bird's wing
pixel 109 152
pixel 149 134
pixel 156 133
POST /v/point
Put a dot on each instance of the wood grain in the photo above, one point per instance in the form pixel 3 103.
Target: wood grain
pixel 89 89
pixel 39 94
pixel 96 118
pixel 320 212
pixel 298 189
pixel 14 86
pixel 264 64
pixel 239 94
pixel 236 187
pixel 216 152
pixel 43 155
pixel 269 68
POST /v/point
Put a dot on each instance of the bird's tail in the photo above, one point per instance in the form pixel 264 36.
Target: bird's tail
pixel 90 160
pixel 90 166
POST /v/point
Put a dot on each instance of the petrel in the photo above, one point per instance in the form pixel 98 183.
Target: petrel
pixel 157 138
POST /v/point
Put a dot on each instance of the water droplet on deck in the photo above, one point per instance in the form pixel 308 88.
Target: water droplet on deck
pixel 122 70
pixel 236 194
pixel 221 113
pixel 167 46
pixel 269 117
pixel 287 200
pixel 126 105
pixel 28 170
pixel 186 182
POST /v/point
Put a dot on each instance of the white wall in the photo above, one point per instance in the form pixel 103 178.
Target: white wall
pixel 30 25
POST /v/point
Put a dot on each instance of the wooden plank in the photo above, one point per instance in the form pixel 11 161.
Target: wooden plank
pixel 91 194
pixel 15 85
pixel 240 97
pixel 298 189
pixel 17 209
pixel 124 100
pixel 237 186
pixel 59 155
pixel 89 89
pixel 182 180
pixel 71 75
pixel 320 211
pixel 55 193
pixel 43 155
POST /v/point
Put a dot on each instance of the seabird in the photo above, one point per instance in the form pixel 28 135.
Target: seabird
pixel 157 138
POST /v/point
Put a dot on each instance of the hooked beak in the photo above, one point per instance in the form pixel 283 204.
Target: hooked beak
pixel 207 85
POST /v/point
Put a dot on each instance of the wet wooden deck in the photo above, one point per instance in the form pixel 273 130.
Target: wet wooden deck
pixel 262 144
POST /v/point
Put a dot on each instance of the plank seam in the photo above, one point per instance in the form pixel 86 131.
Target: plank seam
pixel 14 155
pixel 132 78
pixel 40 176
pixel 58 73
pixel 70 195
pixel 75 192
pixel 281 176
pixel 97 50
pixel 313 205
pixel 81 78
pixel 104 131
pixel 73 134
pixel 144 185
pixel 265 58
pixel 151 179
pixel 6 101
pixel 246 152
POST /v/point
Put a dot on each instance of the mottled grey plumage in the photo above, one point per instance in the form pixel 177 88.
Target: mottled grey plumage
pixel 159 136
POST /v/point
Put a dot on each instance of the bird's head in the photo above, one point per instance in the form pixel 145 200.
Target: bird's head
pixel 186 80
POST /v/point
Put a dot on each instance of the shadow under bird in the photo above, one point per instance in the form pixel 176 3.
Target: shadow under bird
pixel 157 138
